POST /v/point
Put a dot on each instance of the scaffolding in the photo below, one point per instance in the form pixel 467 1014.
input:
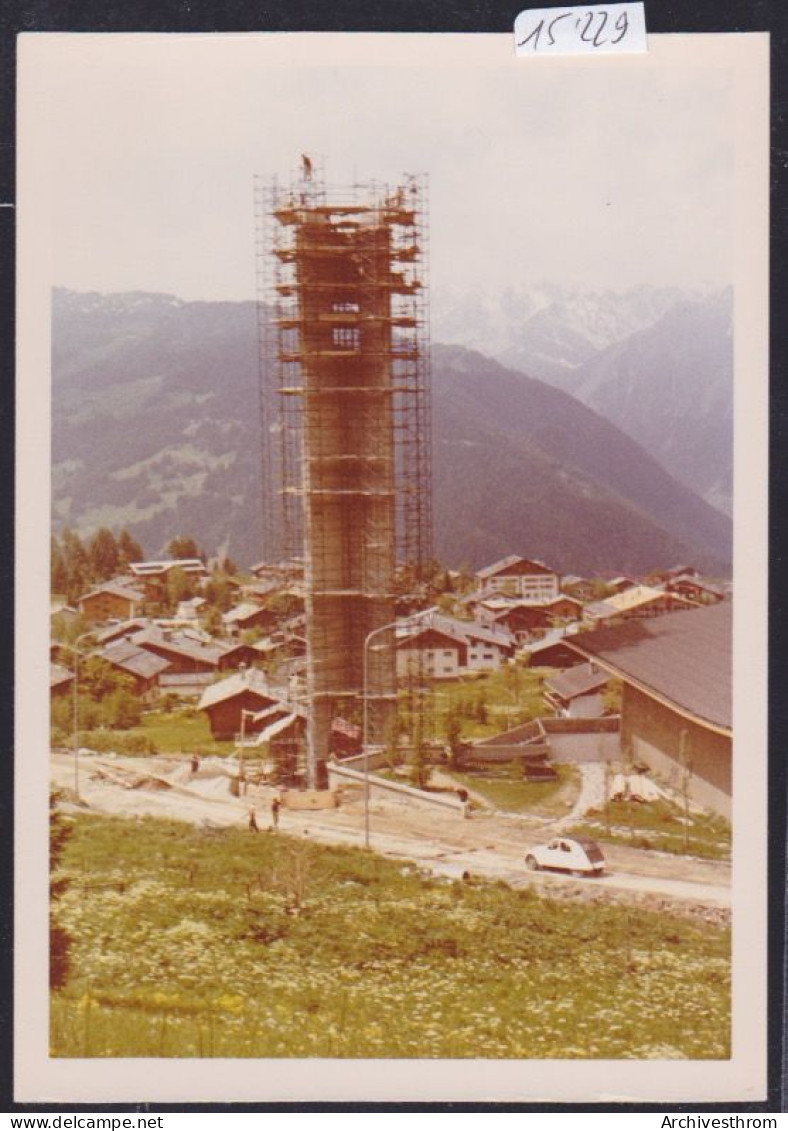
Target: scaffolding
pixel 345 420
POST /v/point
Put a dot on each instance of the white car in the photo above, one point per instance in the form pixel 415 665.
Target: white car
pixel 576 854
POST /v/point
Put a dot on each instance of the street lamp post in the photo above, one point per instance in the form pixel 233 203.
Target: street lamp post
pixel 245 712
pixel 78 655
pixel 365 724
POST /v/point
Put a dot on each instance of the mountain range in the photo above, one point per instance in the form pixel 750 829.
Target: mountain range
pixel 657 361
pixel 155 428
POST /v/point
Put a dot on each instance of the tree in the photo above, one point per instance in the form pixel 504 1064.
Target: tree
pixel 454 738
pixel 419 766
pixel 77 565
pixel 67 630
pixel 58 575
pixel 183 547
pixel 179 586
pixel 103 555
pixel 229 567
pixel 124 710
pixel 128 550
pixel 480 708
pixel 212 621
pixel 98 680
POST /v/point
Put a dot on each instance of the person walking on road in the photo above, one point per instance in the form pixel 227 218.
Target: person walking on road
pixel 276 805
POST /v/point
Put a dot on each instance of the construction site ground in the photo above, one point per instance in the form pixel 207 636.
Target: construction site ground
pixel 490 845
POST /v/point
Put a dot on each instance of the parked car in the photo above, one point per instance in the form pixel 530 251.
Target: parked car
pixel 578 855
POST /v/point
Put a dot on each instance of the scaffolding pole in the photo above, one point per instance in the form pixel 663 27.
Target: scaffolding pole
pixel 345 421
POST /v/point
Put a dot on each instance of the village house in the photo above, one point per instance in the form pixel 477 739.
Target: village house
pixel 440 654
pixel 189 612
pixel 532 581
pixel 120 630
pixel 578 692
pixel 620 583
pixel 552 653
pixel 114 600
pixel 676 699
pixel 695 589
pixel 522 618
pixel 185 651
pixel 638 602
pixel 141 666
pixel 61 681
pixel 447 647
pixel 247 616
pixel 152 575
pixel 581 588
pixel 238 697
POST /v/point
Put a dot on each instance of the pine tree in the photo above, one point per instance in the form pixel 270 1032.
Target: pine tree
pixel 183 547
pixel 128 550
pixel 103 555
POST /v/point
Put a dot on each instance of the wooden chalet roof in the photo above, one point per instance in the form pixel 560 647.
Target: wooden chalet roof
pixel 683 659
pixel 116 589
pixel 59 676
pixel 130 657
pixel 247 681
pixel 514 564
pixel 158 568
pixel 582 680
pixel 179 644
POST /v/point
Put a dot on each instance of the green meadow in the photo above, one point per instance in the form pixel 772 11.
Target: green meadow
pixel 174 941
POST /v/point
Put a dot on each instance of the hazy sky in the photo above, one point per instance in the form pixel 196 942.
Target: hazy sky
pixel 603 173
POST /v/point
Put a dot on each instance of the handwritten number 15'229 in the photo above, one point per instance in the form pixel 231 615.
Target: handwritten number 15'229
pixel 619 29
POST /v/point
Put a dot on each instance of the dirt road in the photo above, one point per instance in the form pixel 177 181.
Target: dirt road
pixel 490 846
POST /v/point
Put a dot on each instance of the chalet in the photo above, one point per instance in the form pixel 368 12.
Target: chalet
pixel 185 651
pixel 61 680
pixel 152 575
pixel 676 701
pixel 447 647
pixel 518 618
pixel 635 603
pixel 120 630
pixel 194 567
pixel 521 618
pixel 620 583
pixel 577 693
pixel 234 655
pixel 189 612
pixel 113 600
pixel 248 615
pixel 578 587
pixel 141 666
pixel 228 701
pixel 552 654
pixel 442 654
pixel 520 577
pixel 694 589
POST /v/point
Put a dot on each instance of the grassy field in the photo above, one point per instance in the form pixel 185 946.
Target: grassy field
pixel 184 731
pixel 504 787
pixel 659 825
pixel 184 944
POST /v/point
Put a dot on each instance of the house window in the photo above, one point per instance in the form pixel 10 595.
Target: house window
pixel 347 337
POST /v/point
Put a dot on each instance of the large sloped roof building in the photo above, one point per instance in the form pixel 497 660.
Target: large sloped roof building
pixel 676 714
